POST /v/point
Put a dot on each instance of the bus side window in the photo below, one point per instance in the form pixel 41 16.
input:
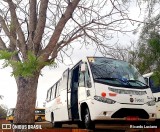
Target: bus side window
pixel 48 95
pixel 53 92
pixel 57 89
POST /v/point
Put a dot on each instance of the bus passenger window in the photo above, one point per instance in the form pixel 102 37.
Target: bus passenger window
pixel 53 92
pixel 57 89
pixel 48 95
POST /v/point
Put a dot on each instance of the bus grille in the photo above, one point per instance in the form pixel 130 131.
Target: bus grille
pixel 131 92
pixel 124 112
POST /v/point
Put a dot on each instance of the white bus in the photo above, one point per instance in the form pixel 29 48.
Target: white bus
pixel 155 90
pixel 99 89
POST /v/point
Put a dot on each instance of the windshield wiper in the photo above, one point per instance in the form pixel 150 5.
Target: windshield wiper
pixel 117 79
pixel 138 82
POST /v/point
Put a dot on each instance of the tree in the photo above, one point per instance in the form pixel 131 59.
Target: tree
pixel 149 46
pixel 35 32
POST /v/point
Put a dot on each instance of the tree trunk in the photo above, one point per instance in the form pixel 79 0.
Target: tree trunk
pixel 26 101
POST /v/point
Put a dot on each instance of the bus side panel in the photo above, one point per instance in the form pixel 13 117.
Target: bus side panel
pixel 50 107
pixel 61 113
pixel 81 94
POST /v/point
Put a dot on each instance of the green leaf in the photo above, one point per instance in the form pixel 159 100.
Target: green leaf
pixel 27 68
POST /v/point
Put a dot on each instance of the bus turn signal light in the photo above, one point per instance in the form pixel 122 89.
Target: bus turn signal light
pixel 103 94
pixel 112 94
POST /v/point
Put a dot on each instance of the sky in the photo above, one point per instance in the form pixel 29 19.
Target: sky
pixel 50 75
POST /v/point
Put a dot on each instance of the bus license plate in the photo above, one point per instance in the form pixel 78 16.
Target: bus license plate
pixel 132 118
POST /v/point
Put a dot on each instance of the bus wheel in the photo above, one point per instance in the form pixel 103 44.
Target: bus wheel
pixel 39 119
pixel 87 120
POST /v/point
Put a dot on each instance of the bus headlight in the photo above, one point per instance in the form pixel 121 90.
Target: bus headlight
pixel 104 100
pixel 151 103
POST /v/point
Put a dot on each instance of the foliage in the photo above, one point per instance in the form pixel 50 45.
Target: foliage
pixel 6 55
pixel 26 68
pixel 156 78
pixel 149 54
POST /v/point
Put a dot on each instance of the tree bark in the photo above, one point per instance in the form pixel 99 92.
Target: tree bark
pixel 26 101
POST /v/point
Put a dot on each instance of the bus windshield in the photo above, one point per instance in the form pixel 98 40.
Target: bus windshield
pixel 115 72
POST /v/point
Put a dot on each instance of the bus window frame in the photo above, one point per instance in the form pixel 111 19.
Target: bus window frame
pixel 53 93
pixel 49 94
pixel 57 91
pixel 84 77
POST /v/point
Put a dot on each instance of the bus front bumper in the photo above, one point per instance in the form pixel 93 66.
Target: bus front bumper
pixel 117 111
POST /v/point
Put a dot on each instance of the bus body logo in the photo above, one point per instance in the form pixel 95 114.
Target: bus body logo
pixel 131 99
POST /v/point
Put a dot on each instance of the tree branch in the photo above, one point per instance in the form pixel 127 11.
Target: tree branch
pixel 41 24
pixel 6 30
pixel 18 26
pixel 32 21
pixel 4 26
pixel 2 44
pixel 58 29
pixel 68 41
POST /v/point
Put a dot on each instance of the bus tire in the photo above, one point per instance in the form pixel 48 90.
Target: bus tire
pixel 157 123
pixel 88 124
pixel 39 119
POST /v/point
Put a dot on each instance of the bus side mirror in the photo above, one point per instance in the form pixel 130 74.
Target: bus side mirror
pixel 83 67
pixel 89 84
